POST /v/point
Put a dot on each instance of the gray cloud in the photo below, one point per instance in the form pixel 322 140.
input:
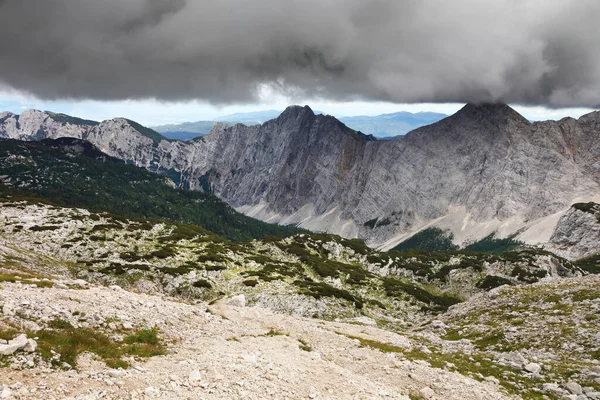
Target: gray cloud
pixel 527 51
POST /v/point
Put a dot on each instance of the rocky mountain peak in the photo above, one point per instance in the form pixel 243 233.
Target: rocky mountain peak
pixel 6 114
pixel 297 112
pixel 590 117
pixel 493 112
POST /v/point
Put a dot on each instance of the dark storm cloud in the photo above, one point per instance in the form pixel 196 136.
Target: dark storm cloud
pixel 528 51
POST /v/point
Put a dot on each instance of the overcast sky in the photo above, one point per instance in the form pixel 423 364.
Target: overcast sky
pixel 161 61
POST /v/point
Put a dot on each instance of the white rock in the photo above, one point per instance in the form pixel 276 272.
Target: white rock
pixel 534 368
pixel 6 393
pixel 550 387
pixel 30 346
pixel 492 379
pixel 574 387
pixel 13 345
pixel 8 309
pixel 514 359
pixel 437 324
pixel 427 392
pixel 194 376
pixel 237 301
pixel 8 349
pixel 251 358
pixel 79 282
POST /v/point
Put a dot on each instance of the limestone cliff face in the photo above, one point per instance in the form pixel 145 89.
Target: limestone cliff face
pixel 484 169
pixel 577 233
pixel 37 125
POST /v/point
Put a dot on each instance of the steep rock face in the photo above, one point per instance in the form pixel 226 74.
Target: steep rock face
pixel 484 169
pixel 37 125
pixel 120 139
pixel 577 233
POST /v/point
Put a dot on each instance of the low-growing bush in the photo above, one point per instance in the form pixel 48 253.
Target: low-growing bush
pixel 492 281
pixel 202 283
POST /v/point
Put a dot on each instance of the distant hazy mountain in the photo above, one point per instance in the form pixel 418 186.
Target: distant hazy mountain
pixel 186 130
pixel 190 130
pixel 383 126
pixel 250 118
pixel 395 124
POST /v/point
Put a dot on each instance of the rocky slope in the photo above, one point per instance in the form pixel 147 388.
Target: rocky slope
pixel 482 170
pixel 218 351
pixel 544 337
pixel 577 233
pixel 310 316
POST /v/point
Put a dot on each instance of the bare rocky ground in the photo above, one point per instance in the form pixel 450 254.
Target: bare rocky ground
pixel 110 336
pixel 219 351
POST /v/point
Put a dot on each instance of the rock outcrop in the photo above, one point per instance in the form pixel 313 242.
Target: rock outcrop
pixel 577 233
pixel 482 170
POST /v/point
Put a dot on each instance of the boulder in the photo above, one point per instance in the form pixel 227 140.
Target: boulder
pixel 237 301
pixel 574 387
pixel 19 343
pixel 534 368
pixel 8 309
pixel 30 346
pixel 513 359
pixel 427 392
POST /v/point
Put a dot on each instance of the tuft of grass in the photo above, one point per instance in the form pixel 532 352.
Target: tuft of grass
pixel 144 336
pixel 69 342
pixel 9 333
pixel 304 345
pixel 586 294
pixel 60 324
pixel 383 347
pixel 25 280
pixel 273 332
pixel 495 339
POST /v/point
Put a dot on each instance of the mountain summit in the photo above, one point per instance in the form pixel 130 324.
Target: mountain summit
pixel 481 170
pixel 489 111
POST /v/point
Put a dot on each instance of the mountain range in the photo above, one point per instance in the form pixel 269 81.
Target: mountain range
pixel 110 263
pixel 381 126
pixel 481 171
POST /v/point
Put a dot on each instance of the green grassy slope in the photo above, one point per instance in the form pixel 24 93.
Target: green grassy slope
pixel 73 173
